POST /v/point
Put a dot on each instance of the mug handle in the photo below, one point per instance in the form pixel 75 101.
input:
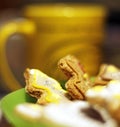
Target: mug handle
pixel 22 26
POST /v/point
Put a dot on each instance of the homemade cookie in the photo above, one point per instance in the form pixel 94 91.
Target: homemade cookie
pixel 107 72
pixel 78 81
pixel 44 88
pixel 107 97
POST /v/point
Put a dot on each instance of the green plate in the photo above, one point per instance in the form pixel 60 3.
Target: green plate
pixel 8 104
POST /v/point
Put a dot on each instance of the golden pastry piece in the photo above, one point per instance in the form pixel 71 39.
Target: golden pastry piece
pixel 42 87
pixel 107 72
pixel 107 97
pixel 78 81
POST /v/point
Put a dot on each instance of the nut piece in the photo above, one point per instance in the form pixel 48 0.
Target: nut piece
pixel 78 82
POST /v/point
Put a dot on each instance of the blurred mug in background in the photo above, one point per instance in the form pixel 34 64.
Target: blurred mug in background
pixel 53 31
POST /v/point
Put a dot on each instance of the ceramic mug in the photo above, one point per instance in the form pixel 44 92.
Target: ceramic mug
pixel 53 31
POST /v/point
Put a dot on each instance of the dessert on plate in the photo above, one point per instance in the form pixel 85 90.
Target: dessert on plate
pixel 83 102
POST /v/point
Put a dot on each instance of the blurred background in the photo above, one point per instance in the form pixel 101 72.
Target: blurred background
pixel 16 48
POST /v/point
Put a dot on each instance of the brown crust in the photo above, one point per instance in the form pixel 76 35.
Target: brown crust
pixel 104 75
pixel 42 94
pixel 32 91
pixel 77 84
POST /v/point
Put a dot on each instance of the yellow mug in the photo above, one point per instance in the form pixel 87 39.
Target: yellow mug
pixel 53 31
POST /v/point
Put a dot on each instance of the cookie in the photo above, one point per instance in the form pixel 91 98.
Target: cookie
pixel 106 73
pixel 78 81
pixel 106 96
pixel 44 88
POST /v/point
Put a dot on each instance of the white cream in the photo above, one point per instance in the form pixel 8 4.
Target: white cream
pixel 29 110
pixel 69 114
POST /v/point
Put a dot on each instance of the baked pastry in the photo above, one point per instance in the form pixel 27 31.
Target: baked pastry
pixel 106 96
pixel 78 80
pixel 101 97
pixel 43 87
pixel 106 73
